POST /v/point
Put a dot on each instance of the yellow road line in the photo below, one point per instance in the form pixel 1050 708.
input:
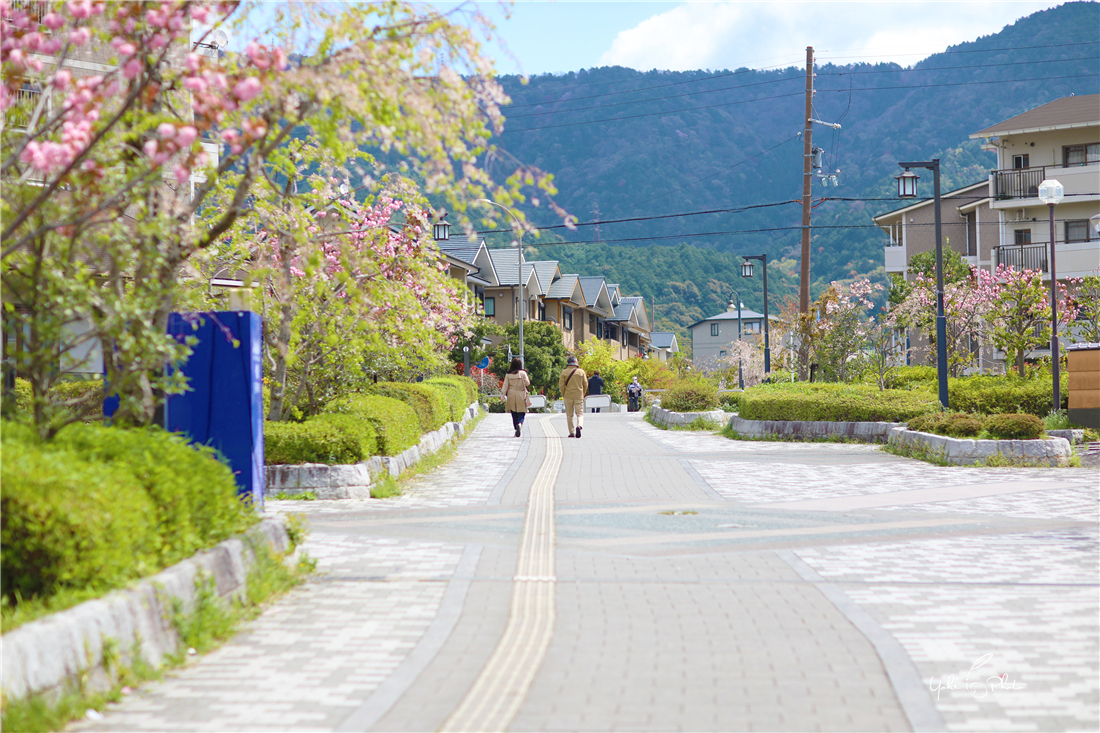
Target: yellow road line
pixel 502 686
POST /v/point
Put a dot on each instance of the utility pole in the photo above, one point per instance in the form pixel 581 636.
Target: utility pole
pixel 807 179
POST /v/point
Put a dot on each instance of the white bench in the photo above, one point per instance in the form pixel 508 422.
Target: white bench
pixel 538 400
pixel 593 401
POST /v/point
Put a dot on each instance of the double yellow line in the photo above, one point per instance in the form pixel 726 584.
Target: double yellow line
pixel 500 690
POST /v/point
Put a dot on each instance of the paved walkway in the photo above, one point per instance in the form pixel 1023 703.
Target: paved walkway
pixel 639 579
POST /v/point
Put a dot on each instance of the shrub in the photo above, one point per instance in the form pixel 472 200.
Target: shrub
pixel 85 396
pixel 690 395
pixel 468 386
pixel 1015 426
pixel 833 402
pixel 995 395
pixel 496 406
pixel 455 395
pixel 69 523
pixel 912 377
pixel 729 401
pixel 952 424
pixel 430 404
pixel 395 423
pixel 99 506
pixel 326 438
pixel 194 493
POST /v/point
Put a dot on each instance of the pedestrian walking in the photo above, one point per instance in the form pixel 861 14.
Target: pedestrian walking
pixel 634 395
pixel 572 384
pixel 514 394
pixel 595 386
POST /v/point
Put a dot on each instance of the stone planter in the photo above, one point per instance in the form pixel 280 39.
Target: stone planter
pixel 862 432
pixel 354 481
pixel 969 452
pixel 678 419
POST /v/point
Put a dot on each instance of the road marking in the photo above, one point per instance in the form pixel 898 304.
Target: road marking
pixel 502 686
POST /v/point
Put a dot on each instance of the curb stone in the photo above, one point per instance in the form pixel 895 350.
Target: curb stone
pixel 354 481
pixel 675 419
pixel 864 432
pixel 968 452
pixel 45 655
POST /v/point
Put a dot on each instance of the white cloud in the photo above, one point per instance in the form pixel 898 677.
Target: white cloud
pixel 713 35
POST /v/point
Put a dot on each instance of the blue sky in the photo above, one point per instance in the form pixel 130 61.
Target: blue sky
pixel 560 36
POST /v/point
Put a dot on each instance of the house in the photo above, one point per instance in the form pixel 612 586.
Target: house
pixel 1061 141
pixel 663 345
pixel 711 337
pixel 967 222
pixel 468 261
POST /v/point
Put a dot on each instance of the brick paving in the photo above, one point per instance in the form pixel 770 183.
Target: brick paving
pixel 701 584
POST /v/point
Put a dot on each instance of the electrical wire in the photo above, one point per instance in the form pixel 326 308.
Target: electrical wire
pixel 967 50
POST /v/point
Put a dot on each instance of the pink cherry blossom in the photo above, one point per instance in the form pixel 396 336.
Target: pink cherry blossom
pixel 247 88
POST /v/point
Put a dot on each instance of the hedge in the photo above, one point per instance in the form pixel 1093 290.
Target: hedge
pixel 690 395
pixel 430 403
pixel 86 396
pixel 1014 427
pixel 1002 395
pixel 395 423
pixel 951 424
pixel 833 402
pixel 99 506
pixel 467 388
pixel 326 438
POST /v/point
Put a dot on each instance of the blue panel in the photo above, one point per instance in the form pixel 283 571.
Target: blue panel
pixel 224 405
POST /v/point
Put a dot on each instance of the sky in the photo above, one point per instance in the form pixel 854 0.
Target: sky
pixel 543 37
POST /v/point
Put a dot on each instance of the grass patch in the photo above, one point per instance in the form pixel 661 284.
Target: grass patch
pixel 386 487
pixel 299 496
pixel 699 424
pixel 209 623
pixel 920 453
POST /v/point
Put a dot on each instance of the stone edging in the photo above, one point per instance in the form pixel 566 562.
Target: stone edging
pixel 354 481
pixel 676 419
pixel 45 655
pixel 863 432
pixel 968 452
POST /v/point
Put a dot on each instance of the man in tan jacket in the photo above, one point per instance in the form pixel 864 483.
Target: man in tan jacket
pixel 573 383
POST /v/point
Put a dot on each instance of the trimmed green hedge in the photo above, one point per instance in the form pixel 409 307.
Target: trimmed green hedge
pixel 1005 395
pixel 951 424
pixel 99 506
pixel 833 402
pixel 690 395
pixel 395 423
pixel 430 403
pixel 86 397
pixel 460 391
pixel 326 438
pixel 730 401
pixel 1014 426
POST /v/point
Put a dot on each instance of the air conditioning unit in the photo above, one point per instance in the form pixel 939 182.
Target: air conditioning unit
pixel 1019 214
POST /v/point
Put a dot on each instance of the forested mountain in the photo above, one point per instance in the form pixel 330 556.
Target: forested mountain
pixel 624 144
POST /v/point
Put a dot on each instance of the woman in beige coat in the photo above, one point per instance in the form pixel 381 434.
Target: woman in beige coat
pixel 514 393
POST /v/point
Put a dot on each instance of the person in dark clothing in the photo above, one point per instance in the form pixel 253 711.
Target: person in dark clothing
pixel 634 394
pixel 595 386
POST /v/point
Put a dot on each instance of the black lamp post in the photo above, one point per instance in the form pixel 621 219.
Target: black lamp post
pixel 907 189
pixel 740 376
pixel 746 271
pixel 1051 193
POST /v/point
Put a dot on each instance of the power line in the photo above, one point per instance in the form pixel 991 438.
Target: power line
pixel 970 50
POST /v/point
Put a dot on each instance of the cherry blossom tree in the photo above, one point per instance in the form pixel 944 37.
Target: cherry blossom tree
pixel 1019 316
pixel 1085 293
pixel 110 178
pixel 845 326
pixel 966 305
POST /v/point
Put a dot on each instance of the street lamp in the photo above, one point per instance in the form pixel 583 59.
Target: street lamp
pixel 519 274
pixel 907 188
pixel 1051 193
pixel 740 376
pixel 746 271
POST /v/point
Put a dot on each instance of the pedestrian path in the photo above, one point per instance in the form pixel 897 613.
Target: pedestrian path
pixel 655 580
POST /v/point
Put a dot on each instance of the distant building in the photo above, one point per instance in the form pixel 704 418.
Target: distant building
pixel 711 337
pixel 663 345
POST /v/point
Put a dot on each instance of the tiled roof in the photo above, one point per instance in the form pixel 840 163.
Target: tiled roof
pixel 1082 111
pixel 505 261
pixel 591 286
pixel 746 315
pixel 622 312
pixel 662 340
pixel 563 287
pixel 545 269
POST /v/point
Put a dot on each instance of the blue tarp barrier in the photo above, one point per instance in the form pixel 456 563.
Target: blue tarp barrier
pixel 224 405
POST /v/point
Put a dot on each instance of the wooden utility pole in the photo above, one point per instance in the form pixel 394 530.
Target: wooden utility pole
pixel 807 179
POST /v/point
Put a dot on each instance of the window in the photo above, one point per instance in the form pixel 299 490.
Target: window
pixel 1021 161
pixel 567 319
pixel 722 352
pixel 490 307
pixel 714 329
pixel 593 324
pixel 542 311
pixel 971 234
pixel 1077 230
pixel 1023 236
pixel 622 336
pixel 1081 154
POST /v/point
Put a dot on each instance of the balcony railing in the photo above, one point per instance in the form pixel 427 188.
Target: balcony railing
pixel 1022 183
pixel 1022 256
pixel 19 114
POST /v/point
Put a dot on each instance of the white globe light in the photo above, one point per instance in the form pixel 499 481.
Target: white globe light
pixel 1051 191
